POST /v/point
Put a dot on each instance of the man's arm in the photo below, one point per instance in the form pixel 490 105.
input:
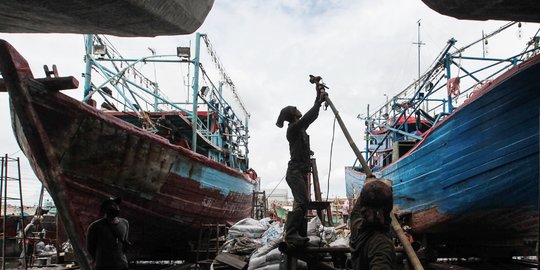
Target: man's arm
pixel 29 229
pixel 310 116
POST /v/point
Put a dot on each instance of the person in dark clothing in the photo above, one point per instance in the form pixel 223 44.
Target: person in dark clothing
pixel 371 246
pixel 107 238
pixel 299 165
pixel 28 241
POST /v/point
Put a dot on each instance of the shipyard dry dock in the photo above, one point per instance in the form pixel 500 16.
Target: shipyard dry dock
pixel 465 176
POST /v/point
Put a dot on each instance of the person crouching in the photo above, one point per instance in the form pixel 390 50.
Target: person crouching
pixel 371 246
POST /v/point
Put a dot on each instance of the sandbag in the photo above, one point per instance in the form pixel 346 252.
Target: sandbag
pixel 340 242
pixel 269 267
pixel 313 226
pixel 268 247
pixel 274 231
pixel 272 257
pixel 247 227
pixel 329 234
pixel 244 245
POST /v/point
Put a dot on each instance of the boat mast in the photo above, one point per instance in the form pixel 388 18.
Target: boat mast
pixel 419 43
pixel 195 87
pixel 368 129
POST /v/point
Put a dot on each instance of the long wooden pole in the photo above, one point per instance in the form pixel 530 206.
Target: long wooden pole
pixel 415 262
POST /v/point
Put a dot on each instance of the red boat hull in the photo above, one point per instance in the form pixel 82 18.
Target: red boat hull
pixel 84 155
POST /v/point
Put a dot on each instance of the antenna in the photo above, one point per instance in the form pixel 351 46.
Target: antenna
pixel 419 43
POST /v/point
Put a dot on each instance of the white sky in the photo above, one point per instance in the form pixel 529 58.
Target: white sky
pixel 363 50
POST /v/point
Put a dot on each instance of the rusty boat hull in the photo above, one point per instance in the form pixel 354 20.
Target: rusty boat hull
pixel 83 155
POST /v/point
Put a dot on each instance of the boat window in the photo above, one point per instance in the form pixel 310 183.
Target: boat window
pixel 401 148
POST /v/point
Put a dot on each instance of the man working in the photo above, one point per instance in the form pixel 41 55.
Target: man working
pixel 371 246
pixel 28 243
pixel 107 238
pixel 299 165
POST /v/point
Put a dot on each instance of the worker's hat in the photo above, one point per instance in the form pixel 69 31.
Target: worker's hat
pixel 110 201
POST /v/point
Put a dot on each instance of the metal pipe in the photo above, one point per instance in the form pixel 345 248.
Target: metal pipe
pixel 286 248
pixel 395 129
pixel 109 79
pixel 3 216
pixel 195 88
pixel 466 71
pixel 5 209
pixel 511 59
pixel 146 60
pixel 448 74
pixel 88 58
pixel 368 128
pixel 22 214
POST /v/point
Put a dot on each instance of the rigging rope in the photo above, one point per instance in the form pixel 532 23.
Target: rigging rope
pixel 15 153
pixel 330 162
pixel 502 28
pixel 223 73
pixel 277 185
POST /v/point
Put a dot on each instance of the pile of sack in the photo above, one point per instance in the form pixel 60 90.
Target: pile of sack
pixel 258 240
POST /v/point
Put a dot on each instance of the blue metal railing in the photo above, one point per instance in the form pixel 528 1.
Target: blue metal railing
pixel 137 98
pixel 392 118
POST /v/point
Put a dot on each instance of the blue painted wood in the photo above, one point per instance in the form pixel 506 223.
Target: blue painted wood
pixel 211 178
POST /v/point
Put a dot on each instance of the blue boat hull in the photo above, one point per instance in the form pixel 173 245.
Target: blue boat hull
pixel 474 177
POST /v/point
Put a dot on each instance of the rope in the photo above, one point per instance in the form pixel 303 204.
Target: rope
pixel 226 77
pixel 277 185
pixel 330 162
pixel 502 28
pixel 15 153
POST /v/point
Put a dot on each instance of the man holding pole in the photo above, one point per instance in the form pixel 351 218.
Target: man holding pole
pixel 299 166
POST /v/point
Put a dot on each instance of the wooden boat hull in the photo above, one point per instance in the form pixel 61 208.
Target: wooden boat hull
pixel 133 18
pixel 84 155
pixel 472 181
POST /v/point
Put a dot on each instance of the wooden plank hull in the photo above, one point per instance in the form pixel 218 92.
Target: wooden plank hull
pixel 84 155
pixel 473 179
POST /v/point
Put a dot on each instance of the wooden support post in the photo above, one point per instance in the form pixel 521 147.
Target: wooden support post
pixel 318 196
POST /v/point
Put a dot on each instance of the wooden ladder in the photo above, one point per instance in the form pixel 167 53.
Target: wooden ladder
pixel 318 204
pixel 209 243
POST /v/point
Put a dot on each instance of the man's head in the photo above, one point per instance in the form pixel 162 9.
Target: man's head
pixel 290 114
pixel 376 201
pixel 110 207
